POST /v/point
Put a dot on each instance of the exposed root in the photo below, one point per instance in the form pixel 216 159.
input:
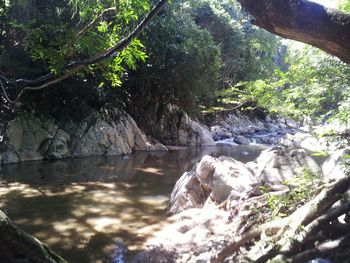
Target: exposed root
pixel 298 237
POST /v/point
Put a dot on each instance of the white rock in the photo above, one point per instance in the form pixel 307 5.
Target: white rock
pixel 334 167
pixel 158 147
pixel 277 165
pixel 241 140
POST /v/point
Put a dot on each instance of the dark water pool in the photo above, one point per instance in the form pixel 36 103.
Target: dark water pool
pixel 80 207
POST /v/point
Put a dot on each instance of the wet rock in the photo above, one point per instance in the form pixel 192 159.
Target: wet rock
pixel 241 140
pixel 248 128
pixel 158 147
pixel 220 133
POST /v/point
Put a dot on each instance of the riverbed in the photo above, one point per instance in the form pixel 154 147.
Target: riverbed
pixel 81 207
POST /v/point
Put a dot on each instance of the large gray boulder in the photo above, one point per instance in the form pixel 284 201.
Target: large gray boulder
pixel 214 179
pixel 194 133
pixel 33 137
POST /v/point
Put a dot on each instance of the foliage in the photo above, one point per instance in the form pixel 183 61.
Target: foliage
pixel 247 52
pixel 344 5
pixel 301 189
pixel 196 48
pixel 315 85
pixel 38 37
pixel 183 65
pixel 45 36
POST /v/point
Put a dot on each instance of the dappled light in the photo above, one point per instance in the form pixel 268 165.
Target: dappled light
pixel 81 207
pixel 174 131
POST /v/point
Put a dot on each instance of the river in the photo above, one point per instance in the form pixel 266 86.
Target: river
pixel 80 207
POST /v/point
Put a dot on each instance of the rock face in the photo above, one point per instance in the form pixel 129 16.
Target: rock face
pixel 172 126
pixel 193 133
pixel 32 137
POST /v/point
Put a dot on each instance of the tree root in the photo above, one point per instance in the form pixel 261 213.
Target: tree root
pixel 288 237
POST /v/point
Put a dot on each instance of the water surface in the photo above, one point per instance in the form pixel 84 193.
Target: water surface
pixel 80 207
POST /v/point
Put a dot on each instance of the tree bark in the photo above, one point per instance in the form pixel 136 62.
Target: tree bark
pixel 305 21
pixel 16 246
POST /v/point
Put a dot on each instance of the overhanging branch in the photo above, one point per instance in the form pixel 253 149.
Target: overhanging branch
pixel 305 21
pixel 73 66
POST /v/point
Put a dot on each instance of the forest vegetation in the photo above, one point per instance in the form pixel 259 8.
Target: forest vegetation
pixel 68 59
pixel 196 54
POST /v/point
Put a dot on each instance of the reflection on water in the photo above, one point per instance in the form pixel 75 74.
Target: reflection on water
pixel 80 207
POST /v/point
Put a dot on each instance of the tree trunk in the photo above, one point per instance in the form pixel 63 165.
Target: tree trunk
pixel 16 246
pixel 301 20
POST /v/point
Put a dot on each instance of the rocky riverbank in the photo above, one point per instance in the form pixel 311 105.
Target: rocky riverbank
pixel 36 136
pixel 222 199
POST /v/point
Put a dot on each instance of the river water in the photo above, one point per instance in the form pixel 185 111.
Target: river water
pixel 80 207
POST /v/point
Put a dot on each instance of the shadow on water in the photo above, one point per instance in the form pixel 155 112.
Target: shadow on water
pixel 80 207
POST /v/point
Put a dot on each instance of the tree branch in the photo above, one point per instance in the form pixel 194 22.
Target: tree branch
pixel 283 231
pixel 73 66
pixel 305 21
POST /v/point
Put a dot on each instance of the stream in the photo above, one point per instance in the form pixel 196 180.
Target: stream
pixel 81 207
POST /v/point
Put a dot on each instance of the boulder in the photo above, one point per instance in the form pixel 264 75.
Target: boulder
pixel 220 133
pixel 241 140
pixel 158 147
pixel 307 142
pixel 336 165
pixel 216 178
pixel 231 178
pixel 187 193
pixel 200 227
pixel 278 164
pixel 194 133
pixel 32 137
